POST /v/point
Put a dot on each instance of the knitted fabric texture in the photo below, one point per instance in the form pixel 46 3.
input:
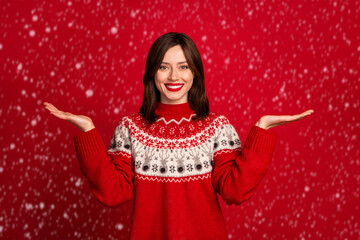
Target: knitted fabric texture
pixel 173 170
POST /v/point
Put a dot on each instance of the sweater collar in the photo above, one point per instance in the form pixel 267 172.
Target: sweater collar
pixel 174 110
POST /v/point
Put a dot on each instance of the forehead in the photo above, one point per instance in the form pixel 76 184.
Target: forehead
pixel 174 54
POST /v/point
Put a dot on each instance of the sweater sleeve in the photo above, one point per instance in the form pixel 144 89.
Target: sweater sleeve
pixel 238 170
pixel 109 172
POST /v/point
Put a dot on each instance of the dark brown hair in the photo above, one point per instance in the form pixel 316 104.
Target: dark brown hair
pixel 197 97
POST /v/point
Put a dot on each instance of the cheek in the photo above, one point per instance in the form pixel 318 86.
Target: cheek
pixel 157 79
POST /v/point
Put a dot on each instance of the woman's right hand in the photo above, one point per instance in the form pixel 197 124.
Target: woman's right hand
pixel 83 122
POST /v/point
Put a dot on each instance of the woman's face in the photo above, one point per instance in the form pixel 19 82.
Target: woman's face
pixel 174 77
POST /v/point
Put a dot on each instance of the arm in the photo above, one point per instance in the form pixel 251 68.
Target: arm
pixel 110 173
pixel 238 171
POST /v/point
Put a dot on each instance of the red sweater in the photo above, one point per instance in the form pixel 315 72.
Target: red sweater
pixel 173 170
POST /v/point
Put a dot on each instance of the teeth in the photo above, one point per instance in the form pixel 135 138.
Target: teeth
pixel 174 87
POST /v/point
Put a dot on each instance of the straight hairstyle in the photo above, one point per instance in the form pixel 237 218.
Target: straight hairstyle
pixel 197 97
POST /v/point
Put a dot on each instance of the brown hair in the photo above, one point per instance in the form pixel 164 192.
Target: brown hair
pixel 197 97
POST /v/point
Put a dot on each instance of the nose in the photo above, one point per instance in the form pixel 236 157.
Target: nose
pixel 173 75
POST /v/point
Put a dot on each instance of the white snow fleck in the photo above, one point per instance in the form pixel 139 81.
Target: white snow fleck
pixel 134 13
pixel 12 146
pixel 116 110
pixel 89 93
pixel 28 206
pixel 119 226
pixel 114 30
pixel 41 205
pixel 307 188
pixel 204 38
pixel 330 107
pixel 1 169
pixel 52 73
pixel 227 60
pixel 35 18
pixel 1 228
pixel 1 46
pixel 19 66
pixel 78 182
pixel 78 65
pixel 32 33
pixel 69 3
pixel 337 195
pixel 33 122
pixel 65 215
pixel 47 29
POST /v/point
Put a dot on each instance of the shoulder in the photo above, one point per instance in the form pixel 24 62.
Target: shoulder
pixel 131 120
pixel 218 119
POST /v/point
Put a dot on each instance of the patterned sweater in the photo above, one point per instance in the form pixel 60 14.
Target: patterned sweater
pixel 174 169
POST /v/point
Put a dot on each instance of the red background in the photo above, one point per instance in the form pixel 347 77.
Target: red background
pixel 260 57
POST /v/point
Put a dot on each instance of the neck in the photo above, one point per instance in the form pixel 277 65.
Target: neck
pixel 174 110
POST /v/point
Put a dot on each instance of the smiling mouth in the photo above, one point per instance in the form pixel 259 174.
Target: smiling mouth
pixel 174 87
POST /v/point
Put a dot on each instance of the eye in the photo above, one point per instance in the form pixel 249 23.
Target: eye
pixel 162 67
pixel 184 67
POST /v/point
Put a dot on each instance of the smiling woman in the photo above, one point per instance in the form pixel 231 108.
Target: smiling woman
pixel 174 59
pixel 175 156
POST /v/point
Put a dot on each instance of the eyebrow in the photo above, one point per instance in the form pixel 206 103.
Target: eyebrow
pixel 177 63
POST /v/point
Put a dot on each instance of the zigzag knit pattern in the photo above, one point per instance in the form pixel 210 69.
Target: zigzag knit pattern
pixel 172 179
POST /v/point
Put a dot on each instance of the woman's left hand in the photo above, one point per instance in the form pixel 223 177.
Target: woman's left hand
pixel 268 121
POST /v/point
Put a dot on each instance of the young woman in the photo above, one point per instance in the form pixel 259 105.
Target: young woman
pixel 175 156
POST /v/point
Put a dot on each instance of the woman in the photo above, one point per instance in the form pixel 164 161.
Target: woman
pixel 174 156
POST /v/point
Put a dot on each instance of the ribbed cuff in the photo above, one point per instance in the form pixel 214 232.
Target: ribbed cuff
pixel 89 143
pixel 261 140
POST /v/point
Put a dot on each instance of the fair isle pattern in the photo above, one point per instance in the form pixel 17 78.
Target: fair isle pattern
pixel 174 121
pixel 172 179
pixel 157 157
pixel 177 143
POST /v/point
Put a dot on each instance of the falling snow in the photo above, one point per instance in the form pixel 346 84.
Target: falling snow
pixel 260 57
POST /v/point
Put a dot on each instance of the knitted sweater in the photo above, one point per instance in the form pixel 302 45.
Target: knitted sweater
pixel 173 170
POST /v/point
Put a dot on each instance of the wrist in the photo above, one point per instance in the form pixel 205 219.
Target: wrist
pixel 260 124
pixel 88 128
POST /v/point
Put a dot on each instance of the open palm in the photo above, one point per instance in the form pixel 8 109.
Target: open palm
pixel 83 122
pixel 270 121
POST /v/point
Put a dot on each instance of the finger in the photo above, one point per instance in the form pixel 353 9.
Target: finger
pixel 50 107
pixel 308 112
pixel 298 116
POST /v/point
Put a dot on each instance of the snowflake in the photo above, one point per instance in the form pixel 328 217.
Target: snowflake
pixel 138 164
pixel 189 167
pixel 119 144
pixel 223 142
pixel 237 141
pixel 154 167
pixel 172 169
pixel 206 164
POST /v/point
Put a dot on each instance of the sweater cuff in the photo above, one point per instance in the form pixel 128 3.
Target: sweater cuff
pixel 89 143
pixel 261 140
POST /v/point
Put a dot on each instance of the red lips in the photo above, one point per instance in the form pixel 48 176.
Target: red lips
pixel 173 87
